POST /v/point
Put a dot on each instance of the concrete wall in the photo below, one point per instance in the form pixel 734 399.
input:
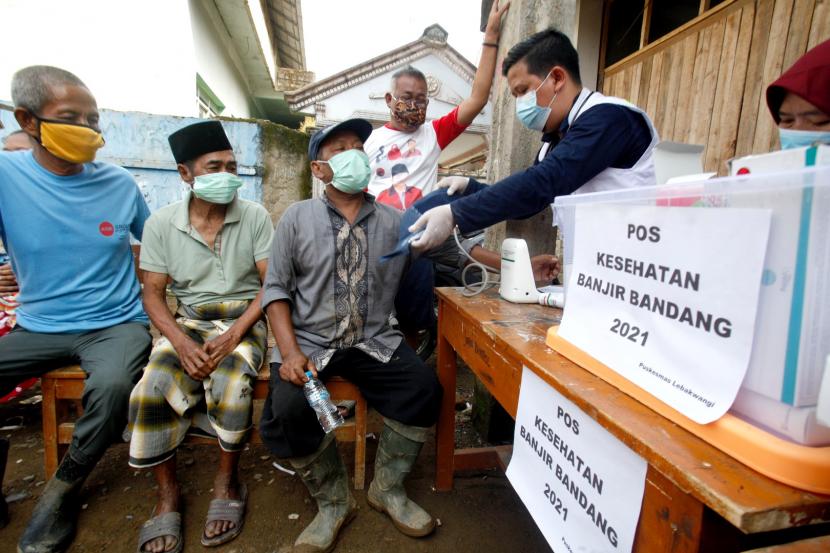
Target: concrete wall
pixel 512 146
pixel 588 38
pixel 286 175
pixel 272 158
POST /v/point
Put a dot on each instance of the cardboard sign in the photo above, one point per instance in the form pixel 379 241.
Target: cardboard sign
pixel 583 487
pixel 667 297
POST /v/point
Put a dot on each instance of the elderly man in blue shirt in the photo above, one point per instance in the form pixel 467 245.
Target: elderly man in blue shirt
pixel 66 222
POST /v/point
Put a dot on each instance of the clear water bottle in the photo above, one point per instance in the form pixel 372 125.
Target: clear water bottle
pixel 319 399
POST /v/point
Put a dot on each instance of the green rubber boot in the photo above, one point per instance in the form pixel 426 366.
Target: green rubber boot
pixel 52 526
pixel 393 462
pixel 324 474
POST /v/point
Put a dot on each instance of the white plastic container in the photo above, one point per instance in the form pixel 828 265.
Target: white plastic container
pixel 781 160
pixel 792 332
pixel 797 424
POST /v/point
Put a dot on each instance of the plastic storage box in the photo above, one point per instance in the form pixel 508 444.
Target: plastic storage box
pixel 792 331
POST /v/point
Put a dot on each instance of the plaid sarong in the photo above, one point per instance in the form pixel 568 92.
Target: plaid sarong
pixel 166 400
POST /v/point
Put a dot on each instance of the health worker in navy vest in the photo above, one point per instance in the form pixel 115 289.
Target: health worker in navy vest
pixel 66 222
pixel 213 247
pixel 590 143
pixel 329 298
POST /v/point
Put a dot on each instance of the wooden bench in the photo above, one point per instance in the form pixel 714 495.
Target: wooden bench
pixel 64 386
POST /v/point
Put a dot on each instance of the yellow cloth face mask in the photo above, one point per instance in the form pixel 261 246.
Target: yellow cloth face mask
pixel 73 143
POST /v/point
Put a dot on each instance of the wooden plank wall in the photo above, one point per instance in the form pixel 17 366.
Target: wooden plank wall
pixel 706 85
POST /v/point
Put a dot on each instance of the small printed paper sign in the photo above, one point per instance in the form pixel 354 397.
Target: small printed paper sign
pixel 667 297
pixel 583 487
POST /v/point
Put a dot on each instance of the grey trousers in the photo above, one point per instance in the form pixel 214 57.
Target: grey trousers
pixel 112 359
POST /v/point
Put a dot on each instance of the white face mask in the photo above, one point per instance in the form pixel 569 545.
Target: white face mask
pixel 217 188
pixel 351 172
pixel 791 138
pixel 532 115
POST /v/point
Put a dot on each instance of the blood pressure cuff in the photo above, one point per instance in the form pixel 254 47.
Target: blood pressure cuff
pixel 414 301
pixel 433 199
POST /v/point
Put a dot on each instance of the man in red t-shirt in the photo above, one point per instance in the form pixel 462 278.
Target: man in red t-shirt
pixel 407 137
pixel 407 141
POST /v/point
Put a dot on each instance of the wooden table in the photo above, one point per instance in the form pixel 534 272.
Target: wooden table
pixel 696 497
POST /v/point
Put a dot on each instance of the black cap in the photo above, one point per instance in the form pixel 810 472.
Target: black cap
pixel 360 127
pixel 198 139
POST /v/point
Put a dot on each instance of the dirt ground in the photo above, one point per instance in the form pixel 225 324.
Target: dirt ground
pixel 482 514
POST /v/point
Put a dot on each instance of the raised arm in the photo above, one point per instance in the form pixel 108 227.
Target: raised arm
pixel 483 81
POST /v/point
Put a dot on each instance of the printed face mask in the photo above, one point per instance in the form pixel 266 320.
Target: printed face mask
pixel 410 113
pixel 532 115
pixel 351 171
pixel 69 141
pixel 217 188
pixel 791 138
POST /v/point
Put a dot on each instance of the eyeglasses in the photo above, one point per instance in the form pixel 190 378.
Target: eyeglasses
pixel 412 101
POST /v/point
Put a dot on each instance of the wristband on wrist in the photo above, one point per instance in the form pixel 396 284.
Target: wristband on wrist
pixel 493 44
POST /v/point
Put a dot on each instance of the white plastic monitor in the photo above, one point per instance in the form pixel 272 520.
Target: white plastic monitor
pixel 517 284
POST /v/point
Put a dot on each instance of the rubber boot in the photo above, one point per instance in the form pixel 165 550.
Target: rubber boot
pixel 395 457
pixel 4 508
pixel 52 526
pixel 324 474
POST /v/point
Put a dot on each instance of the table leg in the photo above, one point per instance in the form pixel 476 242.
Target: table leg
pixel 445 429
pixel 50 427
pixel 671 520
